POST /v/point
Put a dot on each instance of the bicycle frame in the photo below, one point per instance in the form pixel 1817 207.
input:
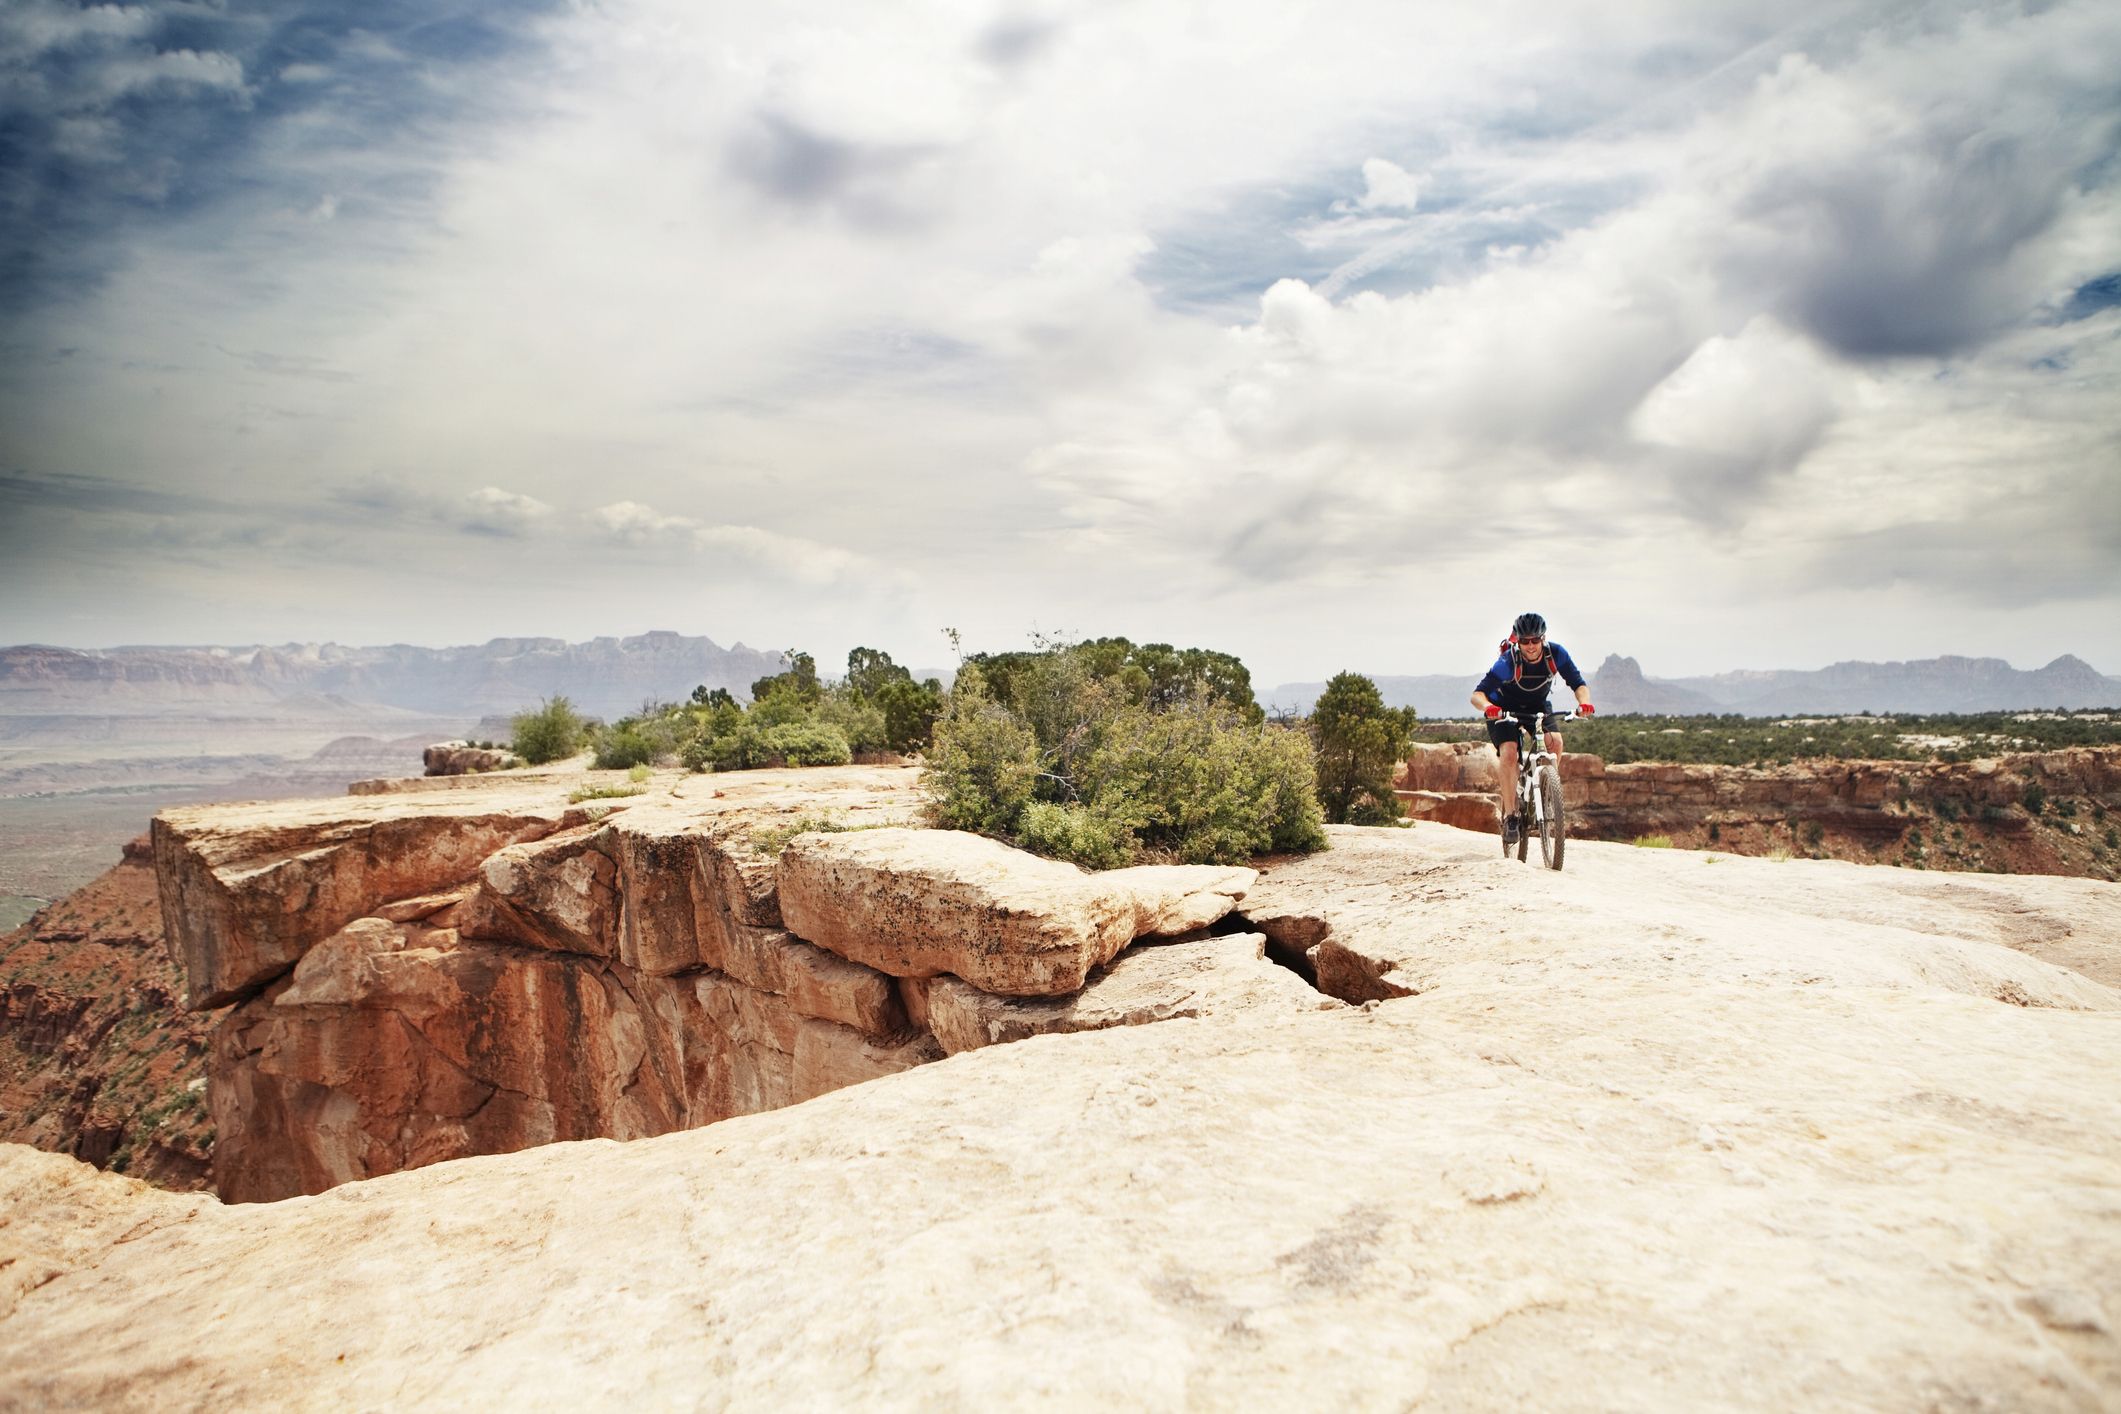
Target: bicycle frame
pixel 1536 727
pixel 1530 806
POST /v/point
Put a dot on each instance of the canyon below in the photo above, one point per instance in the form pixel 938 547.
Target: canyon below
pixel 911 1118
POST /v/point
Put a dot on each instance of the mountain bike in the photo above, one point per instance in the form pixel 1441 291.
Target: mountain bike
pixel 1540 808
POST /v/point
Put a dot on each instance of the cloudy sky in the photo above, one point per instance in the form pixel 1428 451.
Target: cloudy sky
pixel 1330 335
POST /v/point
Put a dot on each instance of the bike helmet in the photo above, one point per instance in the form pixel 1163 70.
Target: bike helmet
pixel 1528 626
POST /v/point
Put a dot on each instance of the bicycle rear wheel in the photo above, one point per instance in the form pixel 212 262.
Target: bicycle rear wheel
pixel 1553 823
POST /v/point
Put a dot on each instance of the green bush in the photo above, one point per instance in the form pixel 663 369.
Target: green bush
pixel 1071 832
pixel 551 733
pixel 2035 798
pixel 1078 764
pixel 622 746
pixel 1360 744
pixel 984 764
pixel 806 744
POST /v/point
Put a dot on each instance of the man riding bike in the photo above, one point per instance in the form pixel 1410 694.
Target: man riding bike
pixel 1515 688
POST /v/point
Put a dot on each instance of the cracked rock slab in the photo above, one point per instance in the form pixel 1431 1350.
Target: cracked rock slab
pixel 247 889
pixel 1218 976
pixel 918 903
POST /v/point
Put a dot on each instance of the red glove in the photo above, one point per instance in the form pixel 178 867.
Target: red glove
pixel 1493 711
pixel 1586 710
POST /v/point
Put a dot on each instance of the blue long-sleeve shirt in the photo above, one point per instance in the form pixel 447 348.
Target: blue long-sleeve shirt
pixel 1518 686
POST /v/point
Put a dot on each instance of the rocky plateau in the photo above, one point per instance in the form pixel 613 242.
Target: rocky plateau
pixel 919 1121
pixel 1942 815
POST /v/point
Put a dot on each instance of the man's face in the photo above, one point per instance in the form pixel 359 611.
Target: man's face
pixel 1532 648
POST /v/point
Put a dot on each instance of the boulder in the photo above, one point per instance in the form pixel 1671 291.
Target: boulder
pixel 1216 976
pixel 246 889
pixel 461 758
pixel 918 903
pixel 560 892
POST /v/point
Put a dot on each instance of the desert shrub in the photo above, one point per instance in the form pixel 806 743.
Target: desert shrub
pixel 1072 832
pixel 774 838
pixel 859 722
pixel 1081 761
pixel 799 679
pixel 1360 744
pixel 1198 783
pixel 552 732
pixel 637 774
pixel 910 709
pixel 624 745
pixel 806 744
pixel 1154 675
pixel 2034 799
pixel 984 764
pixel 602 793
pixel 1652 841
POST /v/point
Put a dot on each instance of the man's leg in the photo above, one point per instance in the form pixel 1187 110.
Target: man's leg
pixel 1506 787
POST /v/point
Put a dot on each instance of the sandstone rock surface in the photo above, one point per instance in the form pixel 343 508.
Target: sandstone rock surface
pixel 1601 1191
pixel 1390 913
pixel 917 903
pixel 1215 976
pixel 247 888
pixel 610 972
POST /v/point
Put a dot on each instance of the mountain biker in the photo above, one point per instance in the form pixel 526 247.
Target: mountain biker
pixel 1517 687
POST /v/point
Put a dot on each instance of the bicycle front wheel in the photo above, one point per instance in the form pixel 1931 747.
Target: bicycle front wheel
pixel 1553 822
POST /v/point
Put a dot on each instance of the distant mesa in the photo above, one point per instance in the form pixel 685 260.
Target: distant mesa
pixel 604 676
pixel 1948 684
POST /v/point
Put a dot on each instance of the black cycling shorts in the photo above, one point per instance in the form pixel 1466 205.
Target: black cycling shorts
pixel 1503 730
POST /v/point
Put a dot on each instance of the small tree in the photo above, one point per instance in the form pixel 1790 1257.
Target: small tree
pixel 870 669
pixel 799 678
pixel 1360 744
pixel 552 732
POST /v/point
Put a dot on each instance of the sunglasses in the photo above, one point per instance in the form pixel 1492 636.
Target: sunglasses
pixel 1531 643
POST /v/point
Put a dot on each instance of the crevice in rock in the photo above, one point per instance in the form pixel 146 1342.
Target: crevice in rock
pixel 1279 951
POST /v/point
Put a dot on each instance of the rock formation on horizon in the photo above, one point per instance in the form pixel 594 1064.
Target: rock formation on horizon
pixel 604 676
pixel 1932 685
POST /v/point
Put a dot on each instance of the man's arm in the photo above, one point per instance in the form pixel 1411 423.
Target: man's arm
pixel 1573 676
pixel 1488 693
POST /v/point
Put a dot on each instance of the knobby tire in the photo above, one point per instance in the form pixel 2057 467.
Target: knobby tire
pixel 1553 826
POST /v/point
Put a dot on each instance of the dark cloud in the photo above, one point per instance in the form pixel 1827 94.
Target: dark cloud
pixel 1907 252
pixel 798 166
pixel 23 494
pixel 111 116
pixel 1012 43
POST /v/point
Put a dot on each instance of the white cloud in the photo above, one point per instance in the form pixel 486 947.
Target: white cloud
pixel 1759 399
pixel 29 28
pixel 190 68
pixel 496 512
pixel 637 524
pixel 1388 187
